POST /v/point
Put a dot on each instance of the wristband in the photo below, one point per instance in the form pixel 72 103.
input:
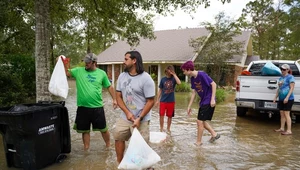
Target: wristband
pixel 141 118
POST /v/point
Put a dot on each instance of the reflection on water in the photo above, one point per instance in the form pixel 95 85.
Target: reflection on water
pixel 245 143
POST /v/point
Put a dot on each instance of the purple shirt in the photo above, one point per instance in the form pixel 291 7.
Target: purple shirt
pixel 202 85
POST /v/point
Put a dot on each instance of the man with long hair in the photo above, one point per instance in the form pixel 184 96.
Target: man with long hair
pixel 135 96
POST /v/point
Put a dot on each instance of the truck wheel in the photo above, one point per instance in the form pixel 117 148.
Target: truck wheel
pixel 241 111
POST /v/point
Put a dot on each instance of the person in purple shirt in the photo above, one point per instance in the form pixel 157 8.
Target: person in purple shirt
pixel 205 87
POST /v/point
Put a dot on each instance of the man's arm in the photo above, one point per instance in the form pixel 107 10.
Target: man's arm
pixel 158 97
pixel 112 93
pixel 213 94
pixel 189 110
pixel 175 77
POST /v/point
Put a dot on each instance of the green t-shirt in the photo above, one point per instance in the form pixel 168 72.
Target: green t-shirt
pixel 89 86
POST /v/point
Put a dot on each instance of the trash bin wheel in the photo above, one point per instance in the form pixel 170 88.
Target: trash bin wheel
pixel 60 158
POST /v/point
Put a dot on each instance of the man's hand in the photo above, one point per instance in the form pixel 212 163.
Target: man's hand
pixel 136 123
pixel 212 103
pixel 130 117
pixel 189 111
pixel 115 104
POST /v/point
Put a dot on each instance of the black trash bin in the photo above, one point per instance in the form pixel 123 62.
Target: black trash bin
pixel 35 135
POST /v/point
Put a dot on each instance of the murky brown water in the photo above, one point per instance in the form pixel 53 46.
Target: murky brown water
pixel 245 143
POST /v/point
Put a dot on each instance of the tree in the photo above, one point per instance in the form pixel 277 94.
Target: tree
pixel 42 49
pixel 215 50
pixel 275 28
pixel 74 27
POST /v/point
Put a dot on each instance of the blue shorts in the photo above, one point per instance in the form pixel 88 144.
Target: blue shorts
pixel 87 116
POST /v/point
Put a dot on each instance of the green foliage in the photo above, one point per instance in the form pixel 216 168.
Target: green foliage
pixel 17 79
pixel 221 95
pixel 183 87
pixel 275 28
pixel 154 77
pixel 216 50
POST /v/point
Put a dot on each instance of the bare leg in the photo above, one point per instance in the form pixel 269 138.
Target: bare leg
pixel 120 148
pixel 169 124
pixel 200 132
pixel 106 138
pixel 282 120
pixel 86 141
pixel 161 123
pixel 288 121
pixel 209 129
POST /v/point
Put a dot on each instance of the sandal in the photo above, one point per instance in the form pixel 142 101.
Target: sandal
pixel 196 144
pixel 286 133
pixel 278 130
pixel 212 139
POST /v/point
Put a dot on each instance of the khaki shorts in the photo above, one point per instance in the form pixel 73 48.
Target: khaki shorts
pixel 123 130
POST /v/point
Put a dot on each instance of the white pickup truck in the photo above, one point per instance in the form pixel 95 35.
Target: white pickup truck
pixel 257 91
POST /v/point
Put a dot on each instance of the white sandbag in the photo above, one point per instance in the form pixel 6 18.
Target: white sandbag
pixel 58 84
pixel 157 137
pixel 139 155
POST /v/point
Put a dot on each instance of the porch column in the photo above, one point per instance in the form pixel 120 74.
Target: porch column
pixel 158 74
pixel 113 75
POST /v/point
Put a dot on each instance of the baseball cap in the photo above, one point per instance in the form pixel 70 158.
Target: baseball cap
pixel 90 57
pixel 285 66
pixel 189 65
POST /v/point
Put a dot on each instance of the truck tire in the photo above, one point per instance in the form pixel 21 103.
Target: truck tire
pixel 241 111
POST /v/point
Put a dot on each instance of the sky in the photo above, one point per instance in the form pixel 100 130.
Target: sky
pixel 183 20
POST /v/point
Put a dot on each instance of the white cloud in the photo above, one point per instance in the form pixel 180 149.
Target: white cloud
pixel 183 20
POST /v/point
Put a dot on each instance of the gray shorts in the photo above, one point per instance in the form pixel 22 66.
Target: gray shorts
pixel 123 130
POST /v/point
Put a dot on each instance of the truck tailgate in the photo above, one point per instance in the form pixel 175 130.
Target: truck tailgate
pixel 262 87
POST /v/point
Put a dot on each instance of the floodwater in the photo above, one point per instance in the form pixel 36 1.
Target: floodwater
pixel 245 143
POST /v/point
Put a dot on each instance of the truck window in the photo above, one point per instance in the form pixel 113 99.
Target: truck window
pixel 256 68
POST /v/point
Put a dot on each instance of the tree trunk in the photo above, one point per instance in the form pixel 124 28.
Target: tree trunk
pixel 42 50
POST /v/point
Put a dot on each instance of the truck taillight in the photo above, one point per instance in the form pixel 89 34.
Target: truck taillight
pixel 237 86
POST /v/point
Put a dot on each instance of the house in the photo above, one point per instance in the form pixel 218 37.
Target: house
pixel 171 47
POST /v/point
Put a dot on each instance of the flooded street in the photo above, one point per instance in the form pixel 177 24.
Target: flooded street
pixel 245 143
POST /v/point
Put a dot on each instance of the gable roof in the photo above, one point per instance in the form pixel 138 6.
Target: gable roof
pixel 170 46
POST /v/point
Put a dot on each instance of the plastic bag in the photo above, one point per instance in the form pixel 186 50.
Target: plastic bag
pixel 269 69
pixel 157 137
pixel 138 155
pixel 58 84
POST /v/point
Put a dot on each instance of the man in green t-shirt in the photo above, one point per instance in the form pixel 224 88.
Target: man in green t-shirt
pixel 89 83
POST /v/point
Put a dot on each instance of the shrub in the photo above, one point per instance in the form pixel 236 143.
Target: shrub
pixel 17 79
pixel 220 95
pixel 183 87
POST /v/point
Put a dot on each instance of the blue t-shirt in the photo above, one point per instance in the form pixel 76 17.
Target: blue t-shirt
pixel 284 87
pixel 167 86
pixel 202 85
